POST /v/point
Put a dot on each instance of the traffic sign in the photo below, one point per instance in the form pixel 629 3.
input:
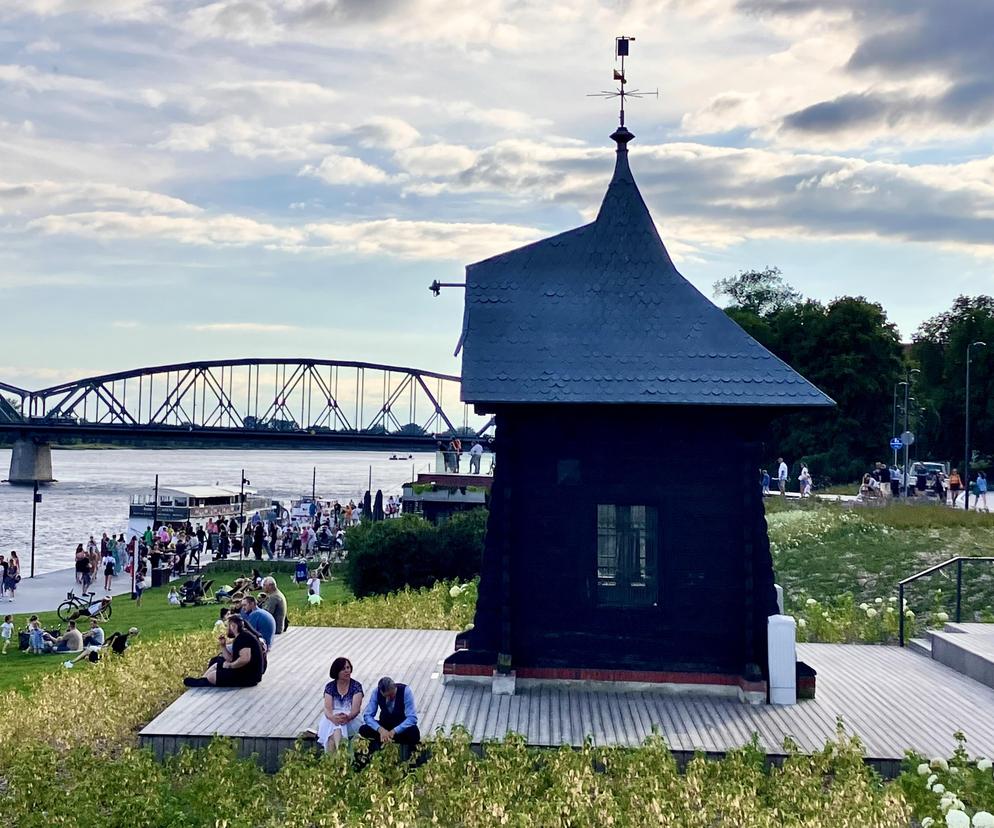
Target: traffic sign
pixel 908 438
pixel 896 444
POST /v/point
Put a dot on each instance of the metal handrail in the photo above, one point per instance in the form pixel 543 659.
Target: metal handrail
pixel 959 587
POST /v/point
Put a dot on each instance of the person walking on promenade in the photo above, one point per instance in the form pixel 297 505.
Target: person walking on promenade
pixel 981 492
pixel 14 573
pixel 782 477
pixel 109 564
pixel 955 484
pixel 3 576
pixel 805 481
pixel 82 563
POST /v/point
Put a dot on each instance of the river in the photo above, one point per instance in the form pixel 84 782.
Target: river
pixel 95 485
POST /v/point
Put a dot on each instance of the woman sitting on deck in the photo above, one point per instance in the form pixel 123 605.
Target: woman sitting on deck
pixel 342 706
pixel 241 666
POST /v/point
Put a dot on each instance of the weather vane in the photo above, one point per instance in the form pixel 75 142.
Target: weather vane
pixel 621 51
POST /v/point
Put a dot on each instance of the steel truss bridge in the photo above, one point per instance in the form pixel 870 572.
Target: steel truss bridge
pixel 274 401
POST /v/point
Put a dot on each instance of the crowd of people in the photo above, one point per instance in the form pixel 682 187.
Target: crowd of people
pixel 452 455
pixel 921 482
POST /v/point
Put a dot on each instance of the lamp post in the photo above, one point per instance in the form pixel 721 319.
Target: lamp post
pixel 35 500
pixel 241 514
pixel 966 452
pixel 907 385
pixel 893 429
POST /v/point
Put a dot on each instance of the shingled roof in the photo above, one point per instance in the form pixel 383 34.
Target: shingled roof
pixel 599 314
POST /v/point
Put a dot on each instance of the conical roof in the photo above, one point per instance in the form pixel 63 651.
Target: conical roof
pixel 599 314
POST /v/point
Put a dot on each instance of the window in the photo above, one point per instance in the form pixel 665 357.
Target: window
pixel 626 555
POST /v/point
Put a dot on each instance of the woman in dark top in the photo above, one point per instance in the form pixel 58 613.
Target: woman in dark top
pixel 241 666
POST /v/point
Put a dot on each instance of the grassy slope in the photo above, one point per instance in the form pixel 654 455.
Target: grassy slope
pixel 827 555
pixel 155 618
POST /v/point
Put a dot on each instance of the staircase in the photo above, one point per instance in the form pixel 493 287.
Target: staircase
pixel 967 648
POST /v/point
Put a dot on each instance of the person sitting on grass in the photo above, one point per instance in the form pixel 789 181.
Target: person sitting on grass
pixel 93 609
pixel 173 597
pixel 92 642
pixel 221 625
pixel 242 666
pixel 119 642
pixel 71 641
pixel 313 598
pixel 398 718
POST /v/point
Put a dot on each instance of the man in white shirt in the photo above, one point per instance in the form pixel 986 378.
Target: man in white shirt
pixel 782 477
pixel 475 454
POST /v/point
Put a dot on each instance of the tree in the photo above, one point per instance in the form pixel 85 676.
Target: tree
pixel 847 348
pixel 762 292
pixel 939 348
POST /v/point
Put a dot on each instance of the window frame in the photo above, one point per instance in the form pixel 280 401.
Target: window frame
pixel 635 580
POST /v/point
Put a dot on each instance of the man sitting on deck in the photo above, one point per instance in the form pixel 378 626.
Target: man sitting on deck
pixel 398 719
pixel 260 620
pixel 242 666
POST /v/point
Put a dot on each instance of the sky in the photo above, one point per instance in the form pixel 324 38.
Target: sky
pixel 185 180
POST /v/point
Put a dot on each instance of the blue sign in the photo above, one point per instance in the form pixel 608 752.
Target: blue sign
pixel 895 443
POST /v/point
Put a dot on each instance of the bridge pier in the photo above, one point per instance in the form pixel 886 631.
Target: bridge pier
pixel 30 462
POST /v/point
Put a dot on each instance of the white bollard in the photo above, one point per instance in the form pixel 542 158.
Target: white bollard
pixel 781 642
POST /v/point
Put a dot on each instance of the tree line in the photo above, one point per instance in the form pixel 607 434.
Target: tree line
pixel 849 349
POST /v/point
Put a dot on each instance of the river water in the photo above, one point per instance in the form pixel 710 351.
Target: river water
pixel 95 485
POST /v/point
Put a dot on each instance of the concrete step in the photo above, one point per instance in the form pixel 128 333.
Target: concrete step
pixel 968 650
pixel 921 645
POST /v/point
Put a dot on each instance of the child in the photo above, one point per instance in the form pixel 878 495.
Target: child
pixel 173 597
pixel 139 587
pixel 6 630
pixel 313 598
pixel 36 636
pixel 221 625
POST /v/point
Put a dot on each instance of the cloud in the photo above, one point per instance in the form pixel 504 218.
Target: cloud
pixel 901 43
pixel 29 79
pixel 410 240
pixel 34 196
pixel 242 327
pixel 390 133
pixel 435 159
pixel 249 139
pixel 345 170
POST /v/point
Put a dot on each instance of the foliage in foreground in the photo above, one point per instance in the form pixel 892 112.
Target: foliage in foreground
pixel 511 784
pixel 957 792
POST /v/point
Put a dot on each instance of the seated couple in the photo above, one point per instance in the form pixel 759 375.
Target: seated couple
pixel 239 665
pixel 390 715
pixel 94 642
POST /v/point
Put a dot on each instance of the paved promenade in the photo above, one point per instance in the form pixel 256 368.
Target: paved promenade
pixel 45 592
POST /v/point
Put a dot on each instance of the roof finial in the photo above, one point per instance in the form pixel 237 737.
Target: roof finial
pixel 622 136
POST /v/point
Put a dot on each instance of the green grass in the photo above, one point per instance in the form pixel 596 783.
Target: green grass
pixel 828 550
pixel 155 618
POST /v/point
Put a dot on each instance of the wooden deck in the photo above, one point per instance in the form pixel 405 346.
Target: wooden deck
pixel 893 699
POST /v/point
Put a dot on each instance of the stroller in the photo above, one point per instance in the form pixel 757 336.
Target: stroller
pixel 194 591
pixel 300 574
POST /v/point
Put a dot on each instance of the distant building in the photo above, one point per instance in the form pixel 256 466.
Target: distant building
pixel 627 538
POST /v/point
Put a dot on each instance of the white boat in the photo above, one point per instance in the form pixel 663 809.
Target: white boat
pixel 194 504
pixel 306 508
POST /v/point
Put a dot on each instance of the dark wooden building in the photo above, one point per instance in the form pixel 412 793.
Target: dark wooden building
pixel 627 537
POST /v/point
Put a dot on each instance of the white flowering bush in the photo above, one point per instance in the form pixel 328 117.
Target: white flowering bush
pixel 955 791
pixel 841 620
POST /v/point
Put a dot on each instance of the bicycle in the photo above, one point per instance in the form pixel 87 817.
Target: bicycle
pixel 79 604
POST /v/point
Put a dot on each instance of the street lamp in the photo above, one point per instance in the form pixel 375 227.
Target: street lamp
pixel 907 385
pixel 966 458
pixel 241 512
pixel 893 429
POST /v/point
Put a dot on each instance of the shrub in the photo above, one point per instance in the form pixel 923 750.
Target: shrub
pixel 434 608
pixel 391 555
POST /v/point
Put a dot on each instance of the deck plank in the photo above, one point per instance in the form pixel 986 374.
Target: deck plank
pixel 891 698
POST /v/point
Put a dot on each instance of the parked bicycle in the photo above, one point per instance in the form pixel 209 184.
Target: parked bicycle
pixel 87 604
